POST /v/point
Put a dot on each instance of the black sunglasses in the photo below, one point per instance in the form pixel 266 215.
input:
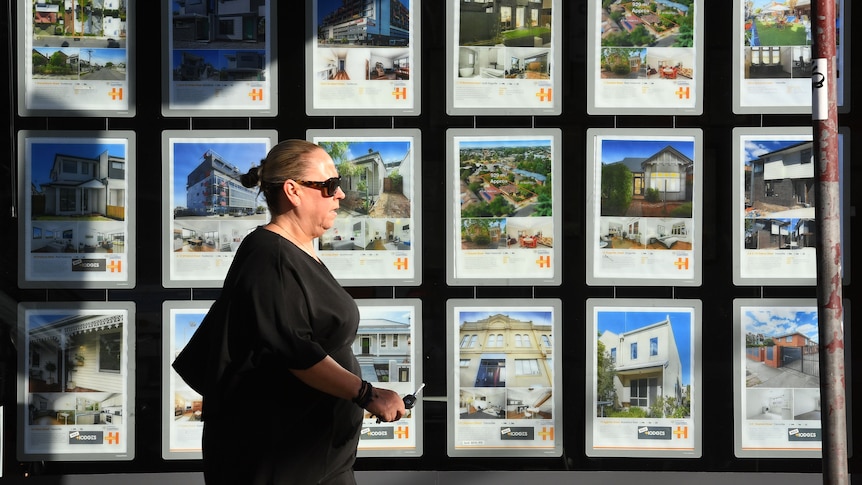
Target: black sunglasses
pixel 328 186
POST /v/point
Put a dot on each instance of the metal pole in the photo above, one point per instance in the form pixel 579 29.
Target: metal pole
pixel 828 220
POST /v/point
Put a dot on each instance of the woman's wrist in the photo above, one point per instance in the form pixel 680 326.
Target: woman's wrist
pixel 365 395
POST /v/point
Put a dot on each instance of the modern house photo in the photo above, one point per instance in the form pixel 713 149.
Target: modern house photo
pixel 383 349
pixel 646 370
pixel 79 185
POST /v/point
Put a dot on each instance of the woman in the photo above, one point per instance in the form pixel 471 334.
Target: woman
pixel 283 400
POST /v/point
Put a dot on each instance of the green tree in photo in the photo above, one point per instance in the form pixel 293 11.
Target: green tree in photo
pixel 616 189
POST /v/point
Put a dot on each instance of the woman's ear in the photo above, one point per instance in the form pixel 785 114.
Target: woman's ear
pixel 291 191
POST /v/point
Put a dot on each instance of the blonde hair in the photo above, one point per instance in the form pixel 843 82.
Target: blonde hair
pixel 286 160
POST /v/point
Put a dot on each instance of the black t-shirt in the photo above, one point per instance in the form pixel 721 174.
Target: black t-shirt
pixel 279 309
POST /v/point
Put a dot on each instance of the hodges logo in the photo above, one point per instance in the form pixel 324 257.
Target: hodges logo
pixel 809 434
pixel 517 433
pixel 654 433
pixel 85 438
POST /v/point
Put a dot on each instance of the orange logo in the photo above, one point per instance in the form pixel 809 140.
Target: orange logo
pixel 683 92
pixel 400 93
pixel 256 95
pixel 547 433
pixel 681 263
pixel 401 263
pixel 402 432
pixel 544 261
pixel 542 94
pixel 681 432
pixel 112 437
pixel 116 266
pixel 116 94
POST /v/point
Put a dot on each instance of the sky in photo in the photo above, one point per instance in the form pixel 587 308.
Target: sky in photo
pixel 42 155
pixel 779 322
pixel 613 151
pixel 188 155
pixel 620 322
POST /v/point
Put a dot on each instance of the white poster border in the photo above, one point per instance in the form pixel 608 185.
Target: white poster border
pixel 524 430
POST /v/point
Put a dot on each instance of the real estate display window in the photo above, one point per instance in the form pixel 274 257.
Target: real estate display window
pixel 69 193
pixel 777 392
pixel 503 206
pixel 774 225
pixel 503 58
pixel 772 45
pixel 503 400
pixel 634 407
pixel 643 182
pixel 362 58
pixel 398 368
pixel 77 379
pixel 645 58
pixel 80 64
pixel 219 58
pixel 206 212
pixel 377 235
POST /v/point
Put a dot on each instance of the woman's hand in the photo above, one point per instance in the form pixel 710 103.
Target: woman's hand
pixel 386 405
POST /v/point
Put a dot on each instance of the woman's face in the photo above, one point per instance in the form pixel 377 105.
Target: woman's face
pixel 318 211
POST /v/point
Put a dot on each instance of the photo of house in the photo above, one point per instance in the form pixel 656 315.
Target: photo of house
pixel 353 23
pixel 78 178
pixel 510 23
pixel 660 23
pixel 377 180
pixel 217 24
pixel 510 349
pixel 779 194
pixel 644 364
pixel 505 178
pixel 76 353
pixel 647 178
pixel 383 344
pixel 781 348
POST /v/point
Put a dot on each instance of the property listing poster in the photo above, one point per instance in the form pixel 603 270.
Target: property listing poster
pixel 644 209
pixel 220 58
pixel 774 207
pixel 182 428
pixel 505 391
pixel 504 57
pixel 388 346
pixel 505 223
pixel 76 206
pixel 76 58
pixel 774 56
pixel 644 397
pixel 363 58
pixel 646 57
pixel 207 211
pixel 376 235
pixel 76 381
pixel 777 379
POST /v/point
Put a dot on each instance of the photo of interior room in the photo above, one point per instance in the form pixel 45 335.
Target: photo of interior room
pixel 500 62
pixel 482 403
pixel 75 409
pixel 388 63
pixel 768 404
pixel 669 63
pixel 530 232
pixel 529 403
